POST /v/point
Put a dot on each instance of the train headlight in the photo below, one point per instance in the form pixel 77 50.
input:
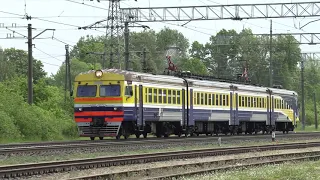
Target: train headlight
pixel 99 73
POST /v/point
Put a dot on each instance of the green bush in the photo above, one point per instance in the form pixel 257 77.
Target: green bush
pixel 8 129
pixel 48 119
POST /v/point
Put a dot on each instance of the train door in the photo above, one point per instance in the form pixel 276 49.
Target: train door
pixel 234 108
pixel 270 122
pixel 140 123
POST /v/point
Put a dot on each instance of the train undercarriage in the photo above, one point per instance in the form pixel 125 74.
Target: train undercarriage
pixel 209 128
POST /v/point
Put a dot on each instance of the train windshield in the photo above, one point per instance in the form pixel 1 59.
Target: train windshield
pixel 86 91
pixel 109 90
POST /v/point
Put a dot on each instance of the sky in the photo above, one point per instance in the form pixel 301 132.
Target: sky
pixel 66 15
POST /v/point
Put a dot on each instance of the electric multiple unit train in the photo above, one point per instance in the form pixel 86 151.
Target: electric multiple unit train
pixel 117 103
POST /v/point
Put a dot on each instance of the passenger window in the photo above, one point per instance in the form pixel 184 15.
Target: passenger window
pixel 223 100
pixel 227 100
pixel 169 96
pixel 217 99
pixel 206 99
pixel 252 102
pixel 146 95
pixel 165 96
pixel 174 100
pixel 150 95
pixel 178 97
pixel 160 96
pixel 202 99
pixel 246 102
pixel 198 98
pixel 213 99
pixel 155 96
pixel 243 101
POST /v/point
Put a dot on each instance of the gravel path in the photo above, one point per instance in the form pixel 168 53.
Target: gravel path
pixel 161 164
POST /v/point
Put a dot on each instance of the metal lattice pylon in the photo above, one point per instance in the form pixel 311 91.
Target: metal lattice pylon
pixel 114 32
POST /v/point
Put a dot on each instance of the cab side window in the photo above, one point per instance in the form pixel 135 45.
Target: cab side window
pixel 129 91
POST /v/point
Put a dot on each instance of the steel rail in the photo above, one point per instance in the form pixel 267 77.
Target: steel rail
pixel 116 145
pixel 231 167
pixel 56 143
pixel 149 173
pixel 21 170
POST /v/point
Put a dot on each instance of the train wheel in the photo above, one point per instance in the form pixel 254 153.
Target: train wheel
pixel 158 135
pixel 137 135
pixel 179 134
pixel 92 138
pixel 126 136
pixel 118 136
pixel 101 138
pixel 145 135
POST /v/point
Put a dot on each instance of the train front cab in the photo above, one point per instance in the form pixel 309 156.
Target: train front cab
pixel 98 104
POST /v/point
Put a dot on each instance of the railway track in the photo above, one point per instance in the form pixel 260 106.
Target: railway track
pixel 78 142
pixel 23 170
pixel 114 145
pixel 178 171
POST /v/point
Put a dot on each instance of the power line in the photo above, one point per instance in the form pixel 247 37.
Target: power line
pixel 55 22
pixel 50 64
pixel 5 12
pixel 87 5
pixel 48 54
pixel 54 38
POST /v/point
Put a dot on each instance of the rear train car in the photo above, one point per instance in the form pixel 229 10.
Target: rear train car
pixel 115 102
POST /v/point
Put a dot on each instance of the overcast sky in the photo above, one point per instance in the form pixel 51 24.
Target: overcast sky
pixel 51 52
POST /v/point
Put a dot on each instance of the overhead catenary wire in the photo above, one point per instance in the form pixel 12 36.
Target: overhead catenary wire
pixel 48 54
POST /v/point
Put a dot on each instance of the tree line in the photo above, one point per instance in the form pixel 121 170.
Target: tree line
pixel 225 55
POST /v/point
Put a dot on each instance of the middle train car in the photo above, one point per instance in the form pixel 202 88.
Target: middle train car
pixel 160 106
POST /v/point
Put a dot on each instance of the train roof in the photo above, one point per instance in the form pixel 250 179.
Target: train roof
pixel 147 77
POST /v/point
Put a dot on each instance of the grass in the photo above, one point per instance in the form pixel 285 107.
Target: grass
pixel 81 155
pixel 308 170
pixel 309 128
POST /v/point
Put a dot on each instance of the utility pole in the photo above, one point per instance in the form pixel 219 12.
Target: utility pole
pixel 126 45
pixel 69 68
pixel 315 110
pixel 30 66
pixel 302 91
pixel 104 59
pixel 66 80
pixel 144 60
pixel 67 76
pixel 271 68
pixel 30 58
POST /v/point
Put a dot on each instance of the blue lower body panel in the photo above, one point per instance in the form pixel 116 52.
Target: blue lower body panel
pixel 175 114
